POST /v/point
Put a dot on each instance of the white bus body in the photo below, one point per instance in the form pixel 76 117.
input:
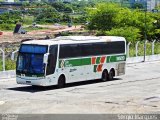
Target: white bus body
pixel 69 59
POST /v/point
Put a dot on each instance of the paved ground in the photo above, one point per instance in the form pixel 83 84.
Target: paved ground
pixel 136 92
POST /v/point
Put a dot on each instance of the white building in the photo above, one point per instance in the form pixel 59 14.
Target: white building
pixel 151 4
pixel 9 0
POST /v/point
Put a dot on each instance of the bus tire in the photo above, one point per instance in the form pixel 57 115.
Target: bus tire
pixel 111 74
pixel 105 75
pixel 61 82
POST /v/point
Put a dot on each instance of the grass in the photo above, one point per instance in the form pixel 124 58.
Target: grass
pixel 7 27
pixel 9 64
pixel 28 20
pixel 30 28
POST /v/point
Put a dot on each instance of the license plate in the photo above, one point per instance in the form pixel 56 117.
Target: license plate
pixel 28 81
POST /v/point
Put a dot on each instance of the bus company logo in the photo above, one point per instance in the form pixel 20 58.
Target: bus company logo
pixel 98 63
pixel 67 64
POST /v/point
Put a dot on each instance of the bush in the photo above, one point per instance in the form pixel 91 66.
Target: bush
pixel 116 19
pixel 6 26
pixel 9 64
pixel 130 33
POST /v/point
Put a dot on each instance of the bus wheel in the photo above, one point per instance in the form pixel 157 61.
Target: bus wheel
pixel 111 75
pixel 61 82
pixel 104 76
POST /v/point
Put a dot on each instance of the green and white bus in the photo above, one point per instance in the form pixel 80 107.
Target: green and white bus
pixel 69 59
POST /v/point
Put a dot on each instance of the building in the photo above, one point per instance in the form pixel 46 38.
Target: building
pixel 10 1
pixel 149 4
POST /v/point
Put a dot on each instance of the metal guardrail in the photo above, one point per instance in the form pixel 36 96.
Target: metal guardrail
pixel 5 54
pixel 3 58
pixel 136 48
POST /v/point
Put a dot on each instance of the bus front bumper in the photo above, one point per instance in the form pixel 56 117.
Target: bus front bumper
pixel 37 81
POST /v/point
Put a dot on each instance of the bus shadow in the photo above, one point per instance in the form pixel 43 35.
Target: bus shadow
pixel 33 89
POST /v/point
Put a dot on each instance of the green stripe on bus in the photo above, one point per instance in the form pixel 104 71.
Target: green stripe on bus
pixel 116 58
pixel 95 68
pixel 98 60
pixel 74 62
pixel 87 61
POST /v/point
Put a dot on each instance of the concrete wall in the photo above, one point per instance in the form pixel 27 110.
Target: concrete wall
pixel 7 74
pixel 141 58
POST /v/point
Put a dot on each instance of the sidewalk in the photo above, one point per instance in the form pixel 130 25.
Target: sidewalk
pixel 7 74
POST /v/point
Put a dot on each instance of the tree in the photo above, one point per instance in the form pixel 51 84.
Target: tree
pixel 114 18
pixel 48 15
pixel 132 34
pixel 138 5
pixel 10 17
pixel 68 9
pixel 102 17
pixel 59 6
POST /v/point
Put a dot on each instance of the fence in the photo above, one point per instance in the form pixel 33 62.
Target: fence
pixel 6 50
pixel 150 48
pixel 133 53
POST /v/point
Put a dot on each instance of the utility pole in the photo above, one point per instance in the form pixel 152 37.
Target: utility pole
pixel 145 31
pixel 121 2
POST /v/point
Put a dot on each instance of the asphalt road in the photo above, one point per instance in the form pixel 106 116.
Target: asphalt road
pixel 136 92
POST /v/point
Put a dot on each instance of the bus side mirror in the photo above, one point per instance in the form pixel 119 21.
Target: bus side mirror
pixel 45 58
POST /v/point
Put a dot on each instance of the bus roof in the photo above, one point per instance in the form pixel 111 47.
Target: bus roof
pixel 75 39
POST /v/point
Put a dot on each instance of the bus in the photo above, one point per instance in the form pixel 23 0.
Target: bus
pixel 68 59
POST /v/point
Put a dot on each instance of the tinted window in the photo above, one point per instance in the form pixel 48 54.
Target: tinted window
pixel 113 47
pixel 33 48
pixel 86 49
pixel 90 49
pixel 101 48
pixel 52 58
pixel 53 49
pixel 71 50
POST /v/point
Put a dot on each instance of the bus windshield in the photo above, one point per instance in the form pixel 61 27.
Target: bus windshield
pixel 30 60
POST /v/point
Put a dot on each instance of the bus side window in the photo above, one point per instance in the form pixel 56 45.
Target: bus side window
pixel 86 49
pixel 70 51
pixel 52 58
